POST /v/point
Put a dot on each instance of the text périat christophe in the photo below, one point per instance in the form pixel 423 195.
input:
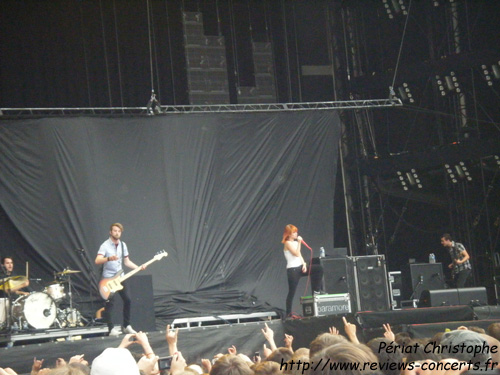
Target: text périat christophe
pixel 432 347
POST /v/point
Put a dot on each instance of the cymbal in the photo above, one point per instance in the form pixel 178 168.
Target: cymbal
pixel 66 272
pixel 14 283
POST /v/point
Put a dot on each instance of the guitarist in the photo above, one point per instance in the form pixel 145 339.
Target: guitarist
pixel 113 254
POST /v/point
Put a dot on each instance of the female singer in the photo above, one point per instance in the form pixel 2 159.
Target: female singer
pixel 296 267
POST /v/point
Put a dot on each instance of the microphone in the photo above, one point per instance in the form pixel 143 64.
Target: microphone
pixel 80 250
pixel 306 245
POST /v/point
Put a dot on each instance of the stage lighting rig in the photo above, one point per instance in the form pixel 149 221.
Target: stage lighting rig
pixel 153 107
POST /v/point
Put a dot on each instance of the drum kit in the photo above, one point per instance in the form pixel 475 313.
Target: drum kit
pixel 39 310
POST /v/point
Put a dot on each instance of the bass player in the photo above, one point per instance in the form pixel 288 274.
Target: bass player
pixel 112 255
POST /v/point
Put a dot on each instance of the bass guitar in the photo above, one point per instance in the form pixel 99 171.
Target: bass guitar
pixel 109 286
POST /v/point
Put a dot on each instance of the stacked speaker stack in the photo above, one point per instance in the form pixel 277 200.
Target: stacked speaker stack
pixel 363 277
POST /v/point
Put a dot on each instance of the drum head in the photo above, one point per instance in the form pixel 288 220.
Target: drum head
pixel 56 291
pixel 39 310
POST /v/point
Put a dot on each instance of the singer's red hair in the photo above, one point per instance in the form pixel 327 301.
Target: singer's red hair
pixel 289 229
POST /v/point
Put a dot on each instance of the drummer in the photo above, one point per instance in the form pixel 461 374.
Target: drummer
pixel 8 271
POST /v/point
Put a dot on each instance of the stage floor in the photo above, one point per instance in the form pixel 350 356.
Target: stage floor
pixel 197 342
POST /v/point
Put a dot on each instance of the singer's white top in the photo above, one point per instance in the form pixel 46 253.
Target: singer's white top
pixel 291 260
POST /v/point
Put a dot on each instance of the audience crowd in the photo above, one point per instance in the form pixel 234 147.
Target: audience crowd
pixel 454 352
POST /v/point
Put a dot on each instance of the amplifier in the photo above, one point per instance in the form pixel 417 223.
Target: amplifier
pixel 326 304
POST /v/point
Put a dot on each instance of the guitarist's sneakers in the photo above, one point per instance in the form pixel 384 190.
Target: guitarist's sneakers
pixel 129 329
pixel 116 331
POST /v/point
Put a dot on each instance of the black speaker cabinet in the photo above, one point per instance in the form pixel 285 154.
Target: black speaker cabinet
pixel 439 297
pixel 370 283
pixel 140 289
pixel 451 297
pixel 417 277
pixel 335 275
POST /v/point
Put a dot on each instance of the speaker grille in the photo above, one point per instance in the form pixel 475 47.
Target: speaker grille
pixel 371 282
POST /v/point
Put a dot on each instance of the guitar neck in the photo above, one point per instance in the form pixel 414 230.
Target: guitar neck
pixel 133 272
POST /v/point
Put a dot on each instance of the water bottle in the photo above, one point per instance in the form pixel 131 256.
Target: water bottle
pixel 432 258
pixel 321 252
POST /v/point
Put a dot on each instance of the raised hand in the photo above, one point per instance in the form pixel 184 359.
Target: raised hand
pixel 388 334
pixel 350 330
pixel 269 335
pixel 288 341
pixel 333 331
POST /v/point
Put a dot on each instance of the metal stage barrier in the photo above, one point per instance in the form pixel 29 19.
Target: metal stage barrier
pixel 223 319
pixel 9 339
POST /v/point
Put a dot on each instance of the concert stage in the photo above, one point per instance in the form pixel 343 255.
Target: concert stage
pixel 203 337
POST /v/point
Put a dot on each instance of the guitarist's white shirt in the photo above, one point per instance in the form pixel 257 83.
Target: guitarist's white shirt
pixel 108 249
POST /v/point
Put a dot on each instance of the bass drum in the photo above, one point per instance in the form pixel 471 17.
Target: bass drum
pixel 37 309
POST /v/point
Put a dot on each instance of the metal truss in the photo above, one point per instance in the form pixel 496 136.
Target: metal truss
pixel 205 108
pixel 15 112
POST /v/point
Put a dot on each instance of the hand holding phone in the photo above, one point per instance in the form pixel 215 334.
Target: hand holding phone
pixel 164 363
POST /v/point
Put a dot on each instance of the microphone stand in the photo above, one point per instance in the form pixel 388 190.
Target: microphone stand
pixel 420 282
pixel 90 276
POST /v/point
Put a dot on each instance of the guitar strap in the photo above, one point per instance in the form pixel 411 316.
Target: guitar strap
pixel 123 251
pixel 121 242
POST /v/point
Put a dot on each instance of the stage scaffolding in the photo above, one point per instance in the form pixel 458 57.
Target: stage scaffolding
pixel 212 108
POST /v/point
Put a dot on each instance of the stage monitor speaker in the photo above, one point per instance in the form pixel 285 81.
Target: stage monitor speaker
pixel 417 277
pixel 440 297
pixel 140 289
pixel 451 297
pixel 473 296
pixel 335 275
pixel 370 280
pixel 371 319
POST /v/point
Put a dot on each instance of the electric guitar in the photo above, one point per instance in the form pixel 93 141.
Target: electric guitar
pixel 109 286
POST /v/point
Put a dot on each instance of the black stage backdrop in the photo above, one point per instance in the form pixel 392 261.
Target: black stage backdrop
pixel 213 190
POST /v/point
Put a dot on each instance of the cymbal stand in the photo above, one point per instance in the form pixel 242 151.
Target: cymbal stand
pixel 8 302
pixel 70 294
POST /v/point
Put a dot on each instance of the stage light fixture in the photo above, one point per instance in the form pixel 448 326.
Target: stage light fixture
pixel 416 178
pixel 450 173
pixel 440 84
pixel 466 171
pixel 396 6
pixel 452 83
pixel 487 75
pixel 463 171
pixel 454 79
pixel 458 171
pixel 405 93
pixel 449 83
pixel 403 7
pixel 388 9
pixel 412 179
pixel 402 180
pixel 496 70
pixel 153 107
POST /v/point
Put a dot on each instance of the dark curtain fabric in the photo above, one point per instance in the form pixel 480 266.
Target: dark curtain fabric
pixel 214 190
